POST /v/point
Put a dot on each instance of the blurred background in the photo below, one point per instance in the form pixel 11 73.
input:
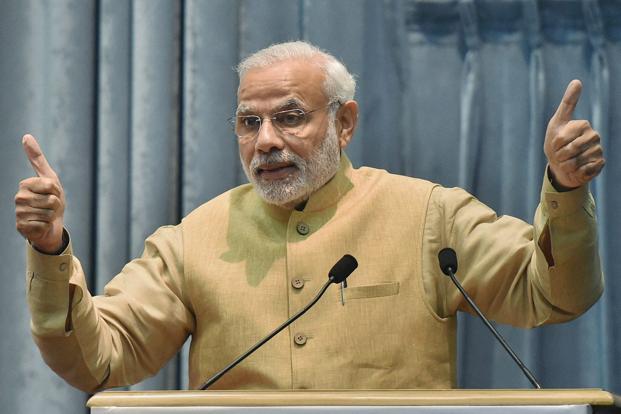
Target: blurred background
pixel 129 100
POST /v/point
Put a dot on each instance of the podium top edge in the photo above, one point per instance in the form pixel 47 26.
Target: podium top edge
pixel 454 397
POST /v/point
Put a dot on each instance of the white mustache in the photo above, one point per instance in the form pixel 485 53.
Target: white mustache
pixel 273 158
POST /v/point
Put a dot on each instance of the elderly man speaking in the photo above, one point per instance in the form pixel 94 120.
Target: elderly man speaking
pixel 245 261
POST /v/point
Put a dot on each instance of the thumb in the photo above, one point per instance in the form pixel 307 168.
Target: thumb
pixel 37 159
pixel 565 111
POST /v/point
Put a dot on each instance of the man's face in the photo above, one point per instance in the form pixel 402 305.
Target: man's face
pixel 285 169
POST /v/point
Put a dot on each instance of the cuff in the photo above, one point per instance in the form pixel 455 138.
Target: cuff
pixel 558 204
pixel 50 267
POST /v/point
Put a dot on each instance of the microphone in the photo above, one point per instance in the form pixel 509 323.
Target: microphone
pixel 343 268
pixel 448 263
pixel 339 272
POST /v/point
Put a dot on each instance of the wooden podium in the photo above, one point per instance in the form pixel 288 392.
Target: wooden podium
pixel 357 401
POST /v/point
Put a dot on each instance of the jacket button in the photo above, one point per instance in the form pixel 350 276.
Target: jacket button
pixel 554 204
pixel 302 228
pixel 299 339
pixel 297 283
pixel 62 267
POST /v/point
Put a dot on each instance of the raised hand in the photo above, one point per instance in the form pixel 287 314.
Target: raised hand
pixel 40 202
pixel 573 148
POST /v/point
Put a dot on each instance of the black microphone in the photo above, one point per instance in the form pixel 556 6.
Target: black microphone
pixel 343 268
pixel 339 272
pixel 448 264
pixel 448 260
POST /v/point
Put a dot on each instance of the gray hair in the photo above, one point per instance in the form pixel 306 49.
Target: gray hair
pixel 339 84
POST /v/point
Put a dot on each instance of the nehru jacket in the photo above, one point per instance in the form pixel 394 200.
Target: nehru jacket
pixel 237 267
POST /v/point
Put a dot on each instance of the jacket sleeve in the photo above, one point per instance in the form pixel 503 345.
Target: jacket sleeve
pixel 519 274
pixel 121 337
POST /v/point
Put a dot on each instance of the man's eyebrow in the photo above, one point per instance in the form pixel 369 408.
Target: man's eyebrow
pixel 243 108
pixel 289 104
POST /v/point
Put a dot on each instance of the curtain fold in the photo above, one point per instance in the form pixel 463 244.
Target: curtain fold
pixel 130 101
pixel 536 91
pixel 113 141
pixel 600 110
pixel 470 97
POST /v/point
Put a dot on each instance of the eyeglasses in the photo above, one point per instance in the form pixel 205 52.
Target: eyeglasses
pixel 290 122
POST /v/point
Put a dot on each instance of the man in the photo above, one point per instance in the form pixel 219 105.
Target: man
pixel 242 263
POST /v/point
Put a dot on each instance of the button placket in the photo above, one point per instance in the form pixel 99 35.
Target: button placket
pixel 299 229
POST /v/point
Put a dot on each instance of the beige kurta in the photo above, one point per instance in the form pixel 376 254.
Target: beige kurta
pixel 236 267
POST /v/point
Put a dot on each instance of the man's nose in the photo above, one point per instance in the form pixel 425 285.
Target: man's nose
pixel 268 137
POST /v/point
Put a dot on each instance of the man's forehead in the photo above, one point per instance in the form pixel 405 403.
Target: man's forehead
pixel 292 81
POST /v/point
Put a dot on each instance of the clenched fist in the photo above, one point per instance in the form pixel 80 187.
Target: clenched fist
pixel 40 202
pixel 573 148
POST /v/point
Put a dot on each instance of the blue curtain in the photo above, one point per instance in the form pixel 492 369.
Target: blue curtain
pixel 129 99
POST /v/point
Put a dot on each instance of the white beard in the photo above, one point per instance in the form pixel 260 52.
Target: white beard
pixel 309 176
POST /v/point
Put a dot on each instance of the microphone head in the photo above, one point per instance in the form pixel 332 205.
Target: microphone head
pixel 448 260
pixel 343 268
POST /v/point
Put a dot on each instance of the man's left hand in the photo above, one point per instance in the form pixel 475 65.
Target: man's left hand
pixel 573 148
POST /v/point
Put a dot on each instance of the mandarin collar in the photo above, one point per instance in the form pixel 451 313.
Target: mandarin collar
pixel 325 197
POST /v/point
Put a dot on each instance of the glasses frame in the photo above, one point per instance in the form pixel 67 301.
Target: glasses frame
pixel 247 138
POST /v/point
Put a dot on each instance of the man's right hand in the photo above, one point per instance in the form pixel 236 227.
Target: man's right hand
pixel 40 202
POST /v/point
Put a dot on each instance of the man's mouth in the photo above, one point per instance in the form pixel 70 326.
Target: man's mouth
pixel 276 170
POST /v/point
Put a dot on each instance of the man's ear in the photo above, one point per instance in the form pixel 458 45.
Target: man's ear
pixel 346 121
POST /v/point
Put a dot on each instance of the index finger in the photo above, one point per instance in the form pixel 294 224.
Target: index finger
pixel 565 110
pixel 37 159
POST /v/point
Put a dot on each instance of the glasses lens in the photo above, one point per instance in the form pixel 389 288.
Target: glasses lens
pixel 290 122
pixel 247 125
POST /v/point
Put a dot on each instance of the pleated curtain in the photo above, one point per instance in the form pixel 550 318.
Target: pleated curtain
pixel 129 99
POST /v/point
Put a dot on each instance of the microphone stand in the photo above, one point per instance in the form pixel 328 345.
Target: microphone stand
pixel 502 341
